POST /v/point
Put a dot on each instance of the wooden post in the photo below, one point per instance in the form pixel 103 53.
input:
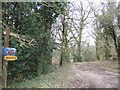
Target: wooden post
pixel 4 62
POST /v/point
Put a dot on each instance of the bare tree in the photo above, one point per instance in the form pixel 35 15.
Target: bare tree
pixel 80 14
pixel 62 35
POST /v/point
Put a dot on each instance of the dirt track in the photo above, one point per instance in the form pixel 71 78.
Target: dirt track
pixel 88 75
pixel 76 75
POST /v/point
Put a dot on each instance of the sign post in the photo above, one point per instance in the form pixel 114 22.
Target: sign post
pixel 4 62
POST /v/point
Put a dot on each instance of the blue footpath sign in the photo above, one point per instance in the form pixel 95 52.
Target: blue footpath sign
pixel 8 51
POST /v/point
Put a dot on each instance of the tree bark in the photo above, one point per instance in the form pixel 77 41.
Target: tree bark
pixel 118 51
pixel 97 50
pixel 107 47
pixel 79 41
pixel 4 62
pixel 79 46
pixel 64 47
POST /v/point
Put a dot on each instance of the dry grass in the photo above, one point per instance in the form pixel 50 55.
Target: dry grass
pixel 108 64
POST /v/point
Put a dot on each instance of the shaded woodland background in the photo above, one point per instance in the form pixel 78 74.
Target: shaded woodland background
pixel 47 34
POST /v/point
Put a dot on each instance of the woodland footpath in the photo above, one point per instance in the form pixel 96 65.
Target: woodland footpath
pixel 58 41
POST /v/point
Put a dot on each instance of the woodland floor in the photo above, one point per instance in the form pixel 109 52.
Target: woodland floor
pixel 77 75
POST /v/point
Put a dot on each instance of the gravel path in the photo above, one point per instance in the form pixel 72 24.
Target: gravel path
pixel 89 75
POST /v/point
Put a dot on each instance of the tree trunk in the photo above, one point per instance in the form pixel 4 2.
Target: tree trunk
pixel 97 50
pixel 79 50
pixel 107 48
pixel 118 51
pixel 64 47
pixel 79 57
pixel 45 54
